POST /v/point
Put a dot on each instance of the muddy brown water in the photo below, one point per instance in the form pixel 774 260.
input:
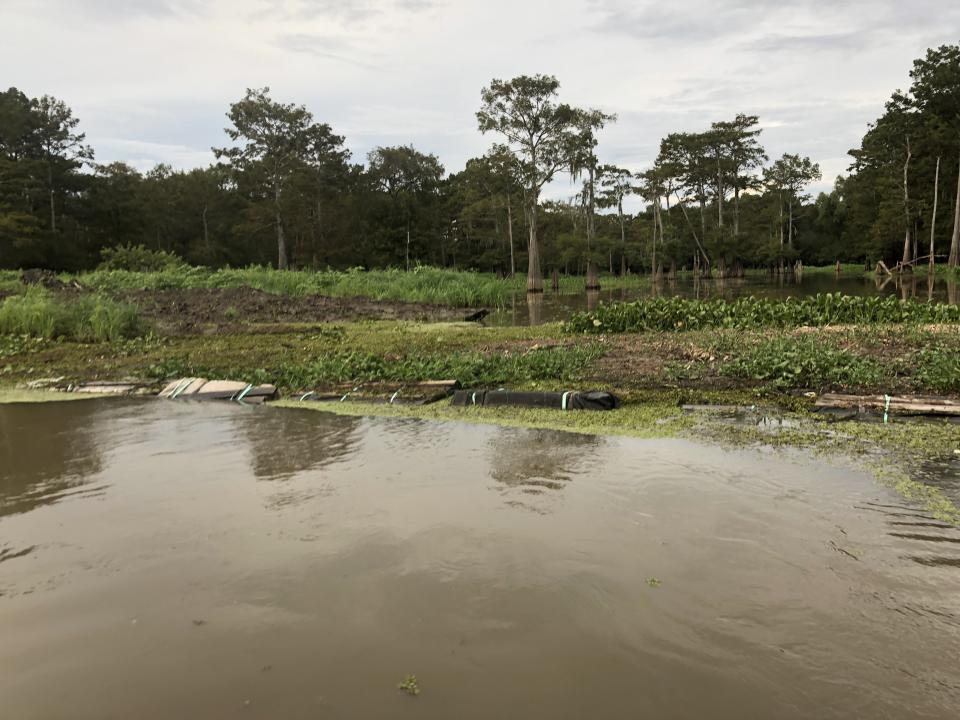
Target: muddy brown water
pixel 180 560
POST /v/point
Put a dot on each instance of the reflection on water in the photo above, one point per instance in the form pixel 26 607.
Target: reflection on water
pixel 551 307
pixel 264 563
pixel 282 446
pixel 38 467
pixel 538 461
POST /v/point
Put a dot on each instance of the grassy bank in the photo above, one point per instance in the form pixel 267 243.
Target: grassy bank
pixel 37 313
pixel 891 358
pixel 439 286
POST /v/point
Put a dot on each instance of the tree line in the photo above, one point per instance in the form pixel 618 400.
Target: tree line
pixel 284 190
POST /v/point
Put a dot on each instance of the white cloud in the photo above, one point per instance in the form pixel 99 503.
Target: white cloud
pixel 151 80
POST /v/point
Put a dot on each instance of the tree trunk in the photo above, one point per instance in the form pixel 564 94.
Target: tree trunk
pixel 623 238
pixel 719 194
pixel 657 227
pixel 206 231
pixel 281 239
pixel 736 211
pixel 408 246
pixel 781 223
pixel 53 203
pixel 534 280
pixel 281 245
pixel 513 265
pixel 790 225
pixel 954 260
pixel 905 261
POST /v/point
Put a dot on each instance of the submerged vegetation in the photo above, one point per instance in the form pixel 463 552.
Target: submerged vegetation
pixel 680 314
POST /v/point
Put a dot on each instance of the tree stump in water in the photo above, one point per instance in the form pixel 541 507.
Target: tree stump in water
pixel 593 277
pixel 555 281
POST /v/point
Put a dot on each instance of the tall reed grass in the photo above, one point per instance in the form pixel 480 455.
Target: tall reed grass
pixel 86 318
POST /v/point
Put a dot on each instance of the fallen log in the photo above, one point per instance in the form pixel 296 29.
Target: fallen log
pixel 896 404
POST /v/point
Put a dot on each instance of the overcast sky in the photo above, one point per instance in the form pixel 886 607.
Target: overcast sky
pixel 151 80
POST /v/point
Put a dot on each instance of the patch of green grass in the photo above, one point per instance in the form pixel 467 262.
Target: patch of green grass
pixel 354 366
pixel 87 318
pixel 10 281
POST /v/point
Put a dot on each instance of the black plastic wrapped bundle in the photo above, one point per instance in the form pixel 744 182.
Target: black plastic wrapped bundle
pixel 569 400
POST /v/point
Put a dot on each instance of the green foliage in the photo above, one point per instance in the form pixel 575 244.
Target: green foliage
pixel 938 368
pixel 680 314
pixel 139 259
pixel 439 286
pixel 470 368
pixel 803 362
pixel 88 318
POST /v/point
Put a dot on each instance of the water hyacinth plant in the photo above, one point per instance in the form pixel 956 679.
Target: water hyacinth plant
pixel 679 314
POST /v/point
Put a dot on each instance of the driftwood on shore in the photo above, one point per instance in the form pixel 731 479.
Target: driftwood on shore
pixel 895 404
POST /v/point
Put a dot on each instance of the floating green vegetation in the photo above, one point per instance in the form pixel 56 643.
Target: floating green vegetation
pixel 409 685
pixel 658 419
pixel 654 582
pixel 681 314
pixel 87 318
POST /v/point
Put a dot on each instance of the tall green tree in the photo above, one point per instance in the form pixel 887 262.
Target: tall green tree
pixel 273 142
pixel 62 148
pixel 787 178
pixel 542 134
pixel 408 176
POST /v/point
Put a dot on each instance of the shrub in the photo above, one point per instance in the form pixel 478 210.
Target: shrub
pixel 139 259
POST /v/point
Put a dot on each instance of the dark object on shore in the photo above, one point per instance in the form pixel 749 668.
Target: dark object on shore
pixel 569 400
pixel 891 404
pixel 202 389
pixel 477 316
pixel 47 279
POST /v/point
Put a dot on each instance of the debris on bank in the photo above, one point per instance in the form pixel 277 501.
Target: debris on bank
pixel 415 393
pixel 94 387
pixel 569 400
pixel 890 404
pixel 203 389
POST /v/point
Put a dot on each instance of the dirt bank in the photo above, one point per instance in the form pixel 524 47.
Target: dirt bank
pixel 226 310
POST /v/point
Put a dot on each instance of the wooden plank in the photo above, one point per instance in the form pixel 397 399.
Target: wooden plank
pixel 903 404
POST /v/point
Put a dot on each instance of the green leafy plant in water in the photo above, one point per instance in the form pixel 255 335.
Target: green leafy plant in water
pixel 788 361
pixel 654 582
pixel 677 314
pixel 409 685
